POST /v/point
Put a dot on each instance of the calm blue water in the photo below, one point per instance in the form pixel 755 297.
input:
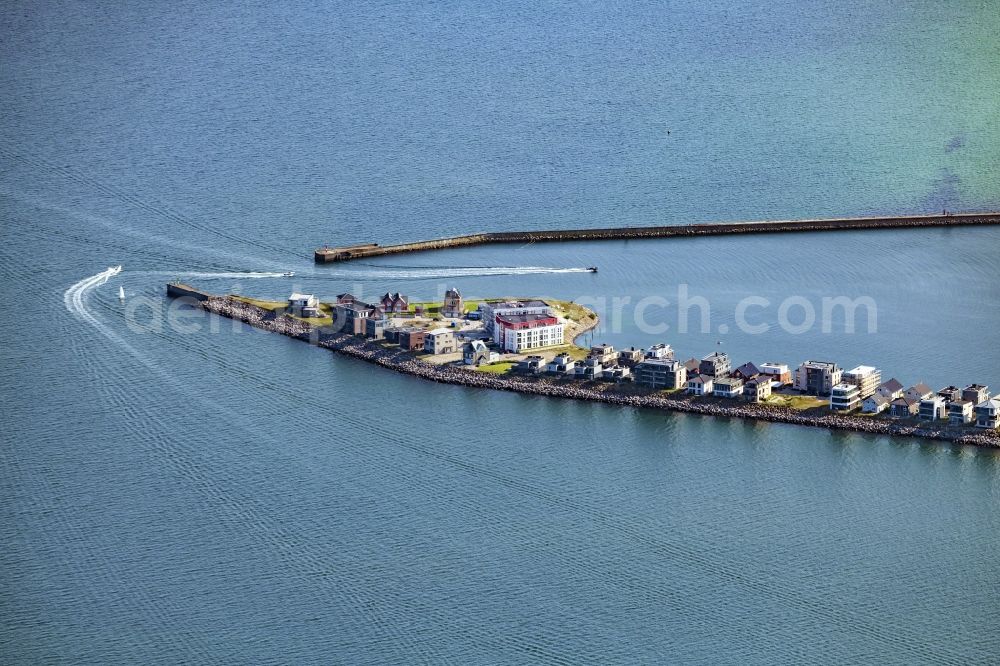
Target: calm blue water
pixel 221 495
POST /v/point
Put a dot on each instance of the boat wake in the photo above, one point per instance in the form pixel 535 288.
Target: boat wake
pixel 205 275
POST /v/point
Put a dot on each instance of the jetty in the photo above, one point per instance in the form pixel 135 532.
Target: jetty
pixel 348 252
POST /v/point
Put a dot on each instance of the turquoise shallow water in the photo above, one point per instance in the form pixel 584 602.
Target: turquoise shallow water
pixel 229 496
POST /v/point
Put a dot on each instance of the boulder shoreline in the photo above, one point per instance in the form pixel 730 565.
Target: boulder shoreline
pixel 403 362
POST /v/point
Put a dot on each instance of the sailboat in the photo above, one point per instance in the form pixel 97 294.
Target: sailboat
pixel 121 293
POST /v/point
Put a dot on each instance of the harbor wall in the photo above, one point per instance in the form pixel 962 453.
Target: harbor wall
pixel 335 254
pixel 178 290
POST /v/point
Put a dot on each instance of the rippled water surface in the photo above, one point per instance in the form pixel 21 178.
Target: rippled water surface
pixel 223 495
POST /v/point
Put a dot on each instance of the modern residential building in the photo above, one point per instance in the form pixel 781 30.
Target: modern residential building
pixel 617 373
pixel 700 385
pixel 490 311
pixel 304 305
pixel 918 392
pixel 817 377
pixel 604 353
pixel 394 303
pixel 950 393
pixel 715 364
pixel 520 332
pixel 757 389
pixel 777 372
pixel 440 341
pixel 876 403
pixel 531 365
pixel 477 353
pixel 845 397
pixel 960 412
pixel 933 408
pixel 976 393
pixel 412 339
pixel 392 334
pixel 904 407
pixel 988 413
pixel 660 350
pixel 661 373
pixel 375 327
pixel 630 356
pixel 865 377
pixel 562 364
pixel 890 389
pixel 728 387
pixel 746 372
pixel 351 316
pixel 589 369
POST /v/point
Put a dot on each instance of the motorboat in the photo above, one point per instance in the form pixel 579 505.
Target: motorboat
pixel 592 269
pixel 288 274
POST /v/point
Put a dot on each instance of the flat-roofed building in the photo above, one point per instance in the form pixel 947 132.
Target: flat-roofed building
pixel 661 373
pixel 976 393
pixel 845 397
pixel 728 387
pixel 440 341
pixel 520 332
pixel 865 377
pixel 817 377
pixel 961 412
pixel 933 408
pixel 715 364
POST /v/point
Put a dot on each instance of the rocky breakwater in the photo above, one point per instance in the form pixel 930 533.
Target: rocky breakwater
pixel 401 361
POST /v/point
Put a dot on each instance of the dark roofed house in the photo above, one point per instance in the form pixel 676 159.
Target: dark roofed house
pixel 976 393
pixel 950 393
pixel 346 298
pixel 692 365
pixel 395 303
pixel 890 389
pixel 918 392
pixel 904 408
pixel 746 372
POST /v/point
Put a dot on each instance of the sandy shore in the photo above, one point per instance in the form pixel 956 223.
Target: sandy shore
pixel 396 359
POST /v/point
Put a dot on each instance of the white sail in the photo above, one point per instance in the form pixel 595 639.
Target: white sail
pixel 121 293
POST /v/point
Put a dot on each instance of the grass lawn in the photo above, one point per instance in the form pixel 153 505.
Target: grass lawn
pixel 799 402
pixel 279 307
pixel 500 368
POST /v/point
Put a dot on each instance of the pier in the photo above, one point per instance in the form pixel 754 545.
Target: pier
pixel 346 253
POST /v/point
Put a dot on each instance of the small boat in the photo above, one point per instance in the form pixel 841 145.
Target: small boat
pixel 288 274
pixel 121 293
pixel 592 269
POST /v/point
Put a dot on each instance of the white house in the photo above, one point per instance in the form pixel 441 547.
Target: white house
pixel 932 408
pixel 891 389
pixel 305 305
pixel 845 397
pixel 875 403
pixel 728 387
pixel 960 412
pixel 700 385
pixel 561 365
pixel 660 351
pixel 440 341
pixel 988 413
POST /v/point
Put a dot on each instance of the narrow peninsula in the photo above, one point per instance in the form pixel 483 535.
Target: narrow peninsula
pixel 529 346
